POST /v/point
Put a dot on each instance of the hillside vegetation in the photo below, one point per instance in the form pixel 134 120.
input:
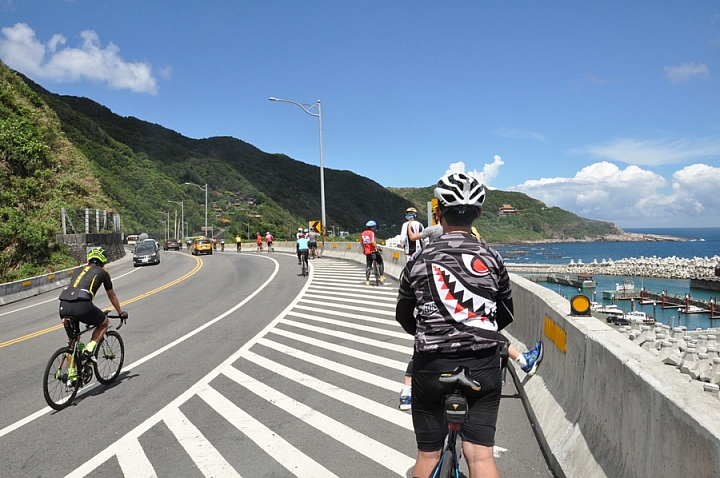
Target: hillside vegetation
pixel 40 173
pixel 60 151
pixel 533 221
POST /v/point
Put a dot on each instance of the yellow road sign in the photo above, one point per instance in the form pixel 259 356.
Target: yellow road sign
pixel 317 225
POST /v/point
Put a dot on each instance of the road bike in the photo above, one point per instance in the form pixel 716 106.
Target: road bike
pixel 456 413
pixel 60 386
pixel 304 262
pixel 375 268
pixel 455 405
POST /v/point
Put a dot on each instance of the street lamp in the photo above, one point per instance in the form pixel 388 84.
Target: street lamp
pixel 309 109
pixel 167 228
pixel 204 189
pixel 182 219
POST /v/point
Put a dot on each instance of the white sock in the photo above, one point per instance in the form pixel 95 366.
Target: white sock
pixel 521 360
pixel 406 391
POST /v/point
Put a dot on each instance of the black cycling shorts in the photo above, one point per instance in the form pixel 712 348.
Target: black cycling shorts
pixel 428 393
pixel 83 310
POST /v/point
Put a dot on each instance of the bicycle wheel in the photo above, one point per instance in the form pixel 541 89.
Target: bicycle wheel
pixel 110 355
pixel 304 266
pixel 59 392
pixel 376 272
pixel 447 466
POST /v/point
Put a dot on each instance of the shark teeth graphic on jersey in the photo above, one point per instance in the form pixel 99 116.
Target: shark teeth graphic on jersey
pixel 459 301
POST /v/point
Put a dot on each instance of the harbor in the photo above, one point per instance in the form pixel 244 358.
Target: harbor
pixel 668 301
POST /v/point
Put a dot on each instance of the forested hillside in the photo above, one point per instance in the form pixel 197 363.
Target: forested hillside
pixel 531 220
pixel 59 151
pixel 40 173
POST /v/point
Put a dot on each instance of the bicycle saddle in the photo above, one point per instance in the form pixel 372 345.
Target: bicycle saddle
pixel 460 377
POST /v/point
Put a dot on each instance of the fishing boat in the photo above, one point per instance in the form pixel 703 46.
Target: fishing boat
pixel 639 317
pixel 605 309
pixel 693 309
pixel 626 286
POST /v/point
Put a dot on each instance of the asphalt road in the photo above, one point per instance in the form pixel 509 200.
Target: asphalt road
pixel 235 366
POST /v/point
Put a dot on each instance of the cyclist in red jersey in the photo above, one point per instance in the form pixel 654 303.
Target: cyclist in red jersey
pixel 370 249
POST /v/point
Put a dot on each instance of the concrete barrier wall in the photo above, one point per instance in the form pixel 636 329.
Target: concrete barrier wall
pixel 14 291
pixel 606 407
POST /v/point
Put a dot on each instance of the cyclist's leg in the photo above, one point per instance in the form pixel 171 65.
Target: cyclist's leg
pixel 480 460
pixel 428 413
pixel 368 266
pixel 100 320
pixel 381 265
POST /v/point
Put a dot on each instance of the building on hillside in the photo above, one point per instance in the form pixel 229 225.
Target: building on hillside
pixel 506 210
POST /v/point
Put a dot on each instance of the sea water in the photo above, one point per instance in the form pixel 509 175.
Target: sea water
pixel 703 242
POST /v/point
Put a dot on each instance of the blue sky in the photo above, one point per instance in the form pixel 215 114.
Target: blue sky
pixel 607 109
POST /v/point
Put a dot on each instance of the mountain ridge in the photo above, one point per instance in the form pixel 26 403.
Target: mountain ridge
pixel 139 169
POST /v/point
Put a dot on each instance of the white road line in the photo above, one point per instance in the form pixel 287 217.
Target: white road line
pixel 336 367
pixel 342 323
pixel 335 313
pixel 376 451
pixel 389 313
pixel 371 302
pixel 392 415
pixel 350 337
pixel 133 461
pixel 295 461
pixel 210 462
pixel 394 364
pixel 339 291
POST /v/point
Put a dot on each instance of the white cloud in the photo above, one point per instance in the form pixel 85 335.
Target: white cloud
pixel 22 51
pixel 655 152
pixel 519 134
pixel 489 172
pixel 685 72
pixel 634 197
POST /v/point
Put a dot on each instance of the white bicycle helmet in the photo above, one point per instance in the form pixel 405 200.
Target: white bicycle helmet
pixel 459 189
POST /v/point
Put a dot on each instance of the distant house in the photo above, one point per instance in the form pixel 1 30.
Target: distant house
pixel 506 210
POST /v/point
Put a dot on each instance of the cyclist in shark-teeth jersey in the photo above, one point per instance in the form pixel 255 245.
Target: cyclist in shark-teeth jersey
pixel 461 292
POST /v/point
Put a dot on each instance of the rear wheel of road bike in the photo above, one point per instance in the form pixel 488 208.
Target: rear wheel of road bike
pixel 304 266
pixel 110 355
pixel 447 468
pixel 376 273
pixel 58 389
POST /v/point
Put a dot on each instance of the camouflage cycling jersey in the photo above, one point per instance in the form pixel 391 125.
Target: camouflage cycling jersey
pixel 456 283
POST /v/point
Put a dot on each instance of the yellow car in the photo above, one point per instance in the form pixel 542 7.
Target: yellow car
pixel 201 246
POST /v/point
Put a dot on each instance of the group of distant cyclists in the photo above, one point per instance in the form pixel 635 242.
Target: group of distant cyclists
pixel 454 297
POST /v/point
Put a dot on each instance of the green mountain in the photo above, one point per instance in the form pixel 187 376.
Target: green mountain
pixel 526 219
pixel 61 151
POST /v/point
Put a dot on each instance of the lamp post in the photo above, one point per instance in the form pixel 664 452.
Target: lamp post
pixel 206 190
pixel 167 228
pixel 182 219
pixel 309 109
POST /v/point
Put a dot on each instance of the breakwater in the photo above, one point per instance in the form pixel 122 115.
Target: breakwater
pixel 663 268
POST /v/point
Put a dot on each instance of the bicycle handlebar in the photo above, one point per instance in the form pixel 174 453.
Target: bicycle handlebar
pixel 123 317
